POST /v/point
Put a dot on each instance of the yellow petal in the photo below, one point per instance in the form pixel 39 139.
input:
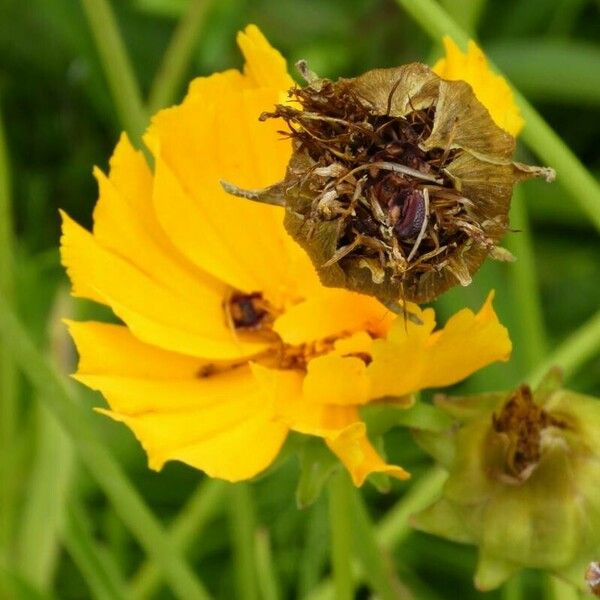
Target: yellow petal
pixel 332 379
pixel 339 425
pixel 413 358
pixel 480 339
pixel 491 89
pixel 129 228
pixel 220 424
pixel 234 450
pixel 333 312
pixel 358 343
pixel 215 134
pixel 155 314
pixel 265 67
pixel 353 448
pixel 106 349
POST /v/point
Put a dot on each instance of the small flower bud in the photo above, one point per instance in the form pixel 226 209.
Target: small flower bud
pixel 524 474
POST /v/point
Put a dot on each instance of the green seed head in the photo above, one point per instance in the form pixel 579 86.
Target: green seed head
pixel 524 475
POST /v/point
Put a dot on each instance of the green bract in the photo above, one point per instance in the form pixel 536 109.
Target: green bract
pixel 524 475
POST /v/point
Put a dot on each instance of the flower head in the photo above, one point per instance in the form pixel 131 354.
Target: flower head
pixel 524 471
pixel 491 89
pixel 227 340
pixel 400 181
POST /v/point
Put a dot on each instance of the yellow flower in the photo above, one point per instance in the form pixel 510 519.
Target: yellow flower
pixel 491 89
pixel 228 341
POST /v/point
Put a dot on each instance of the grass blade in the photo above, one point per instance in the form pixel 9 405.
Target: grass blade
pixel 100 576
pixel 45 503
pixel 267 576
pixel 8 371
pixel 76 422
pixel 579 347
pixel 42 520
pixel 117 66
pixel 201 508
pixel 177 57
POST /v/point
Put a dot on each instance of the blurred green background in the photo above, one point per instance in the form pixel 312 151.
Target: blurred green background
pixel 60 535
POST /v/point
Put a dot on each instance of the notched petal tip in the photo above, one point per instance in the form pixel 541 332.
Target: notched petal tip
pixel 353 448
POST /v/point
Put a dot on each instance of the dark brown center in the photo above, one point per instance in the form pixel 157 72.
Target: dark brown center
pixel 523 421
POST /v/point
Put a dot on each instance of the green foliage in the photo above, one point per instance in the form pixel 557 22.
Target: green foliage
pixel 73 523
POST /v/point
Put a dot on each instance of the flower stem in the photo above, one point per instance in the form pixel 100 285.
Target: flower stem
pixel 573 352
pixel 340 522
pixel 117 66
pixel 177 56
pixel 538 135
pixel 377 567
pixel 77 423
pixel 394 528
pixel 243 527
pixel 8 371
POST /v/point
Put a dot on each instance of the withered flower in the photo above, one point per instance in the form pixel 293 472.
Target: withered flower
pixel 400 181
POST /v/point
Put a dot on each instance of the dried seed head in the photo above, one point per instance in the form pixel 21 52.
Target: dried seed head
pixel 400 182
pixel 592 577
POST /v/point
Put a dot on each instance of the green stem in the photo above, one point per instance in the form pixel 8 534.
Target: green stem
pixel 377 566
pixel 314 554
pixel 394 528
pixel 538 135
pixel 76 422
pixel 243 525
pixel 199 510
pixel 340 522
pixel 530 340
pixel 8 371
pixel 579 347
pixel 177 57
pixel 117 66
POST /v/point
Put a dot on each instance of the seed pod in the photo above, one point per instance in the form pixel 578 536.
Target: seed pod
pixel 524 471
pixel 400 182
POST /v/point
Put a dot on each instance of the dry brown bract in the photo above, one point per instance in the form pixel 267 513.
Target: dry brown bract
pixel 400 182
